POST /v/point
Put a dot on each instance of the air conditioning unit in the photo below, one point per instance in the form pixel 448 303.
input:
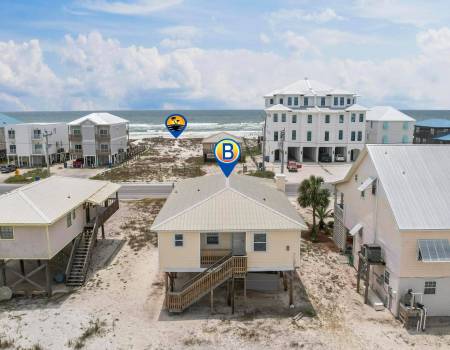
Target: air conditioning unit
pixel 372 252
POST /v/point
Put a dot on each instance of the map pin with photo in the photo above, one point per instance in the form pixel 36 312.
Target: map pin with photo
pixel 227 153
pixel 176 123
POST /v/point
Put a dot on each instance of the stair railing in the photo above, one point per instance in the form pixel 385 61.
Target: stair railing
pixel 76 242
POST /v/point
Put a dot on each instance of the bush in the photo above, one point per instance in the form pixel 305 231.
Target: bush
pixel 27 177
pixel 264 174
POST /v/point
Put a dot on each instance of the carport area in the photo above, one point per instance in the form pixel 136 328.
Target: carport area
pixel 325 151
pixel 309 154
pixel 294 154
pixel 340 151
pixel 354 153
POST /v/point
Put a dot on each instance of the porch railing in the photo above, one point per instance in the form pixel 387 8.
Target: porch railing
pixel 211 256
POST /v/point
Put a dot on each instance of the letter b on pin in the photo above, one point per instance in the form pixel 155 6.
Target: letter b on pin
pixel 227 153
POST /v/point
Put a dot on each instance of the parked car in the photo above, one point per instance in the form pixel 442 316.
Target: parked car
pixel 325 158
pixel 293 166
pixel 78 163
pixel 4 169
pixel 339 158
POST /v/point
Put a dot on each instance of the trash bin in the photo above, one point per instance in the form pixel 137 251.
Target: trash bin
pixel 65 164
pixel 37 178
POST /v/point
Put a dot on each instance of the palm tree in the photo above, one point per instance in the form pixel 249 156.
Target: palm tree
pixel 322 213
pixel 311 194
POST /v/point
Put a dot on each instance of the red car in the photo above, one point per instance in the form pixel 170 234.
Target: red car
pixel 78 163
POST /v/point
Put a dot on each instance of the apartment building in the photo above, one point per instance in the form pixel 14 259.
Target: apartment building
pixel 394 201
pixel 432 131
pixel 26 143
pixel 385 124
pixel 4 121
pixel 99 139
pixel 309 121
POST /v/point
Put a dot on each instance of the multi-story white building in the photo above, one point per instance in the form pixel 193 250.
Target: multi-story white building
pixel 385 124
pixel 317 122
pixel 4 121
pixel 26 144
pixel 99 139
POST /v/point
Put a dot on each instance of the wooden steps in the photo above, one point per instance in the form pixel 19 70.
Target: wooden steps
pixel 80 259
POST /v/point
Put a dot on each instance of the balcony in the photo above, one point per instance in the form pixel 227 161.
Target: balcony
pixel 36 136
pixel 76 153
pixel 38 151
pixel 102 137
pixel 103 151
pixel 75 137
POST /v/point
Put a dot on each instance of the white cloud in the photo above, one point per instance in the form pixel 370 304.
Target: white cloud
pixel 264 38
pixel 333 37
pixel 179 36
pixel 434 40
pixel 299 44
pixel 137 7
pixel 293 15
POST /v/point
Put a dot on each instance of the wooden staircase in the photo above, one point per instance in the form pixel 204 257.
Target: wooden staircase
pixel 224 269
pixel 80 258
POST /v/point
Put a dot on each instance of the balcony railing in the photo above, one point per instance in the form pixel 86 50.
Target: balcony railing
pixel 36 136
pixel 103 151
pixel 75 137
pixel 211 256
pixel 102 137
pixel 38 151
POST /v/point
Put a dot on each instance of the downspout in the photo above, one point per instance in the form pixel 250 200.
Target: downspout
pixel 376 211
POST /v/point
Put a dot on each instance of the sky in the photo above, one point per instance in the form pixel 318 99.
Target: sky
pixel 207 54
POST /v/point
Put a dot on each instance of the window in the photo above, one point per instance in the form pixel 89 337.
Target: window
pixel 103 132
pixel 295 101
pixel 275 135
pixel 12 134
pixel 356 177
pixel 374 187
pixel 69 219
pixel 371 124
pixel 309 136
pixel 405 139
pixel 342 101
pixel 353 136
pixel 353 117
pixel 78 147
pixel 281 101
pixel 74 215
pixel 385 139
pixel 327 136
pixel 359 135
pixel 289 101
pixel 385 125
pixel 430 287
pixel 341 119
pixel 294 135
pixel 212 238
pixel 363 194
pixel 349 101
pixel 322 101
pixel 294 119
pixel 309 119
pixel 178 240
pixel 361 117
pixel 275 117
pixel 104 147
pixel 305 101
pixel 386 277
pixel 405 125
pixel 341 134
pixel 283 117
pixel 12 148
pixel 259 242
pixel 327 119
pixel 37 134
pixel 271 101
pixel 76 131
pixel 6 232
pixel 335 101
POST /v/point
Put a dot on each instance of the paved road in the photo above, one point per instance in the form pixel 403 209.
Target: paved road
pixel 147 190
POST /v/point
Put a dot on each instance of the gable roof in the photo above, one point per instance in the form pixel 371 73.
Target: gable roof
pixel 44 202
pixel 443 138
pixel 100 119
pixel 215 203
pixel 278 107
pixel 416 180
pixel 6 119
pixel 308 87
pixel 220 136
pixel 387 113
pixel 434 123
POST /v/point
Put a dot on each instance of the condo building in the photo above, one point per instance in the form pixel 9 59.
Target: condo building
pixel 385 124
pixel 309 121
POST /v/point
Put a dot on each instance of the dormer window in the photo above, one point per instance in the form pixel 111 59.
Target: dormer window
pixel 271 101
pixel 295 101
pixel 305 101
pixel 281 101
pixel 322 101
pixel 289 101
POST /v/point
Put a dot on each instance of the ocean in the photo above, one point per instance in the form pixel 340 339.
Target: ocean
pixel 144 123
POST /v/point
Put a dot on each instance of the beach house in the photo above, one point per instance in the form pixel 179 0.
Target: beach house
pixel 432 131
pixel 309 121
pixel 385 124
pixel 26 143
pixel 99 139
pixel 392 215
pixel 209 143
pixel 219 230
pixel 49 228
pixel 4 121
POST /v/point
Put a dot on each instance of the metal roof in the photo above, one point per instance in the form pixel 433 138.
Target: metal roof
pixel 367 182
pixel 434 250
pixel 434 123
pixel 278 107
pixel 45 201
pixel 355 229
pixel 443 138
pixel 220 136
pixel 308 87
pixel 387 113
pixel 356 108
pixel 6 119
pixel 215 203
pixel 100 119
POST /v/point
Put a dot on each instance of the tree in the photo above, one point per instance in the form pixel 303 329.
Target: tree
pixel 322 213
pixel 312 194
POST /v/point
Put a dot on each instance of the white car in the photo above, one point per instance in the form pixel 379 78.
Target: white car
pixel 339 158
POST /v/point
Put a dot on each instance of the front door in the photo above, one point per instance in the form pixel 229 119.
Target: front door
pixel 238 243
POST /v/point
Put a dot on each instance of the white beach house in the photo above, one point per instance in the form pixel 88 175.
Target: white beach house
pixel 225 229
pixel 316 123
pixel 4 121
pixel 99 139
pixel 26 143
pixel 209 143
pixel 48 223
pixel 395 201
pixel 385 124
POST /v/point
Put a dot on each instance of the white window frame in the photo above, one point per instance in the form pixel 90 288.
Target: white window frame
pixel 260 243
pixel 2 233
pixel 178 239
pixel 212 235
pixel 430 288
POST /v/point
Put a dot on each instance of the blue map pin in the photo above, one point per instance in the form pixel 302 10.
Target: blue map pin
pixel 176 124
pixel 227 153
